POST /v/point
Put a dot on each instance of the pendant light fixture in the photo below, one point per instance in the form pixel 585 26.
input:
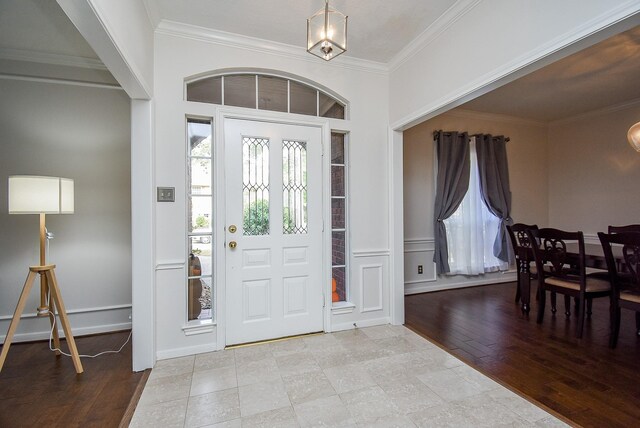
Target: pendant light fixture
pixel 634 136
pixel 327 33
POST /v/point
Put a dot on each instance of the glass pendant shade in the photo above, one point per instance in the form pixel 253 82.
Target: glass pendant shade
pixel 327 33
pixel 634 136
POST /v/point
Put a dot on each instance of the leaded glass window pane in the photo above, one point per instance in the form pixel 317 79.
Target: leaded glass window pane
pixel 240 90
pixel 294 187
pixel 207 90
pixel 255 186
pixel 303 99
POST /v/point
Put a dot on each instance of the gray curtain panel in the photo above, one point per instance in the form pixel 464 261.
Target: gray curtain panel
pixel 451 185
pixel 494 186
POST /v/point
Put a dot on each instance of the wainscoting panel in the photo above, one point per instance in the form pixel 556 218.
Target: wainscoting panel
pixel 371 286
pixel 419 252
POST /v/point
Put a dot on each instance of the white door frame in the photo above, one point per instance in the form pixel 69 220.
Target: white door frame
pixel 219 204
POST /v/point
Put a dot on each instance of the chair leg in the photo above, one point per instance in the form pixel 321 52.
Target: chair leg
pixel 581 313
pixel 553 302
pixel 518 292
pixel 567 305
pixel 638 323
pixel 589 307
pixel 615 327
pixel 542 297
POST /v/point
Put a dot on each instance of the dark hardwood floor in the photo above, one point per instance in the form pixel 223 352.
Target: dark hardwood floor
pixel 39 389
pixel 582 380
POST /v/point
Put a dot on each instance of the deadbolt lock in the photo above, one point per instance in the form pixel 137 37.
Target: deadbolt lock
pixel 233 228
pixel 233 244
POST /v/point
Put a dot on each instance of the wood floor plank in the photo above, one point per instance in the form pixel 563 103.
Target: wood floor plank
pixel 581 379
pixel 39 389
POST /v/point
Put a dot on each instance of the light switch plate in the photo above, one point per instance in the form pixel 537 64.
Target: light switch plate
pixel 166 194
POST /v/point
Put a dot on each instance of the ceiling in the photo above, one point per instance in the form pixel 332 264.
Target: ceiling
pixel 377 29
pixel 603 75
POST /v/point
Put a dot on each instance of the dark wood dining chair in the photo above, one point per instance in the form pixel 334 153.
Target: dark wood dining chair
pixel 566 273
pixel 625 286
pixel 627 228
pixel 523 255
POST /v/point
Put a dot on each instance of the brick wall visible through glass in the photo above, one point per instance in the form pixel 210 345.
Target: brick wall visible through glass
pixel 338 216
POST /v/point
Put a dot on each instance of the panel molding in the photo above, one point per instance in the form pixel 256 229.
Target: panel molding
pixel 170 265
pixel 428 286
pixel 363 288
pixel 186 351
pixel 371 253
pixel 352 325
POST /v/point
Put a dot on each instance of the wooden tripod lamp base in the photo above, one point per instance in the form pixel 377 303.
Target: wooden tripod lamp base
pixel 49 275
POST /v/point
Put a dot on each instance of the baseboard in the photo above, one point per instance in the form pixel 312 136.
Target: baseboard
pixel 77 332
pixel 416 288
pixel 359 324
pixel 186 351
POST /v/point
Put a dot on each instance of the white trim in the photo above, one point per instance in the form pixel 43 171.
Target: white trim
pixel 187 351
pixel 599 112
pixel 170 265
pixel 51 58
pixel 439 26
pixel 471 114
pixel 77 332
pixel 153 12
pixel 591 238
pixel 73 311
pixel 507 276
pixel 340 308
pixel 351 325
pixel 191 330
pixel 371 253
pixel 208 35
pixel 8 76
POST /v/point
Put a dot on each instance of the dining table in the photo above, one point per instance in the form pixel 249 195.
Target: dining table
pixel 593 258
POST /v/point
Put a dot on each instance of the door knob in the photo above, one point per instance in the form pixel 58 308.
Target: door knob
pixel 233 228
pixel 233 244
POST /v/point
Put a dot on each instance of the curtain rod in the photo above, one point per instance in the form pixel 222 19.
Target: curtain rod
pixel 435 134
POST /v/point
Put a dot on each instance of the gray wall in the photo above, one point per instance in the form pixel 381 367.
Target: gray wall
pixel 79 132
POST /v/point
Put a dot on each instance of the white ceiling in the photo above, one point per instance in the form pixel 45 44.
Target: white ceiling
pixel 377 29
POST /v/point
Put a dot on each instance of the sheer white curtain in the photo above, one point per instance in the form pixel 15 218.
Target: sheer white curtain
pixel 472 230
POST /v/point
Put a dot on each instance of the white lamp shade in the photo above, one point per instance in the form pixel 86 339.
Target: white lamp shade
pixel 40 195
pixel 634 136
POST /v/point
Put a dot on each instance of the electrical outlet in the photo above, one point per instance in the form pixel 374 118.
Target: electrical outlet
pixel 420 270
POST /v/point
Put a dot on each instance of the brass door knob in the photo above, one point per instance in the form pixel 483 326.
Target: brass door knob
pixel 233 228
pixel 233 244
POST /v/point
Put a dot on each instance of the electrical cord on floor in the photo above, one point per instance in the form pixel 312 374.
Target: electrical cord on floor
pixel 53 326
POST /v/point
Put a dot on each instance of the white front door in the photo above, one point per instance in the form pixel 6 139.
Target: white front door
pixel 274 256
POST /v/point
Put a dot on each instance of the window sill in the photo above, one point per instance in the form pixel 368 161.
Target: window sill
pixel 340 308
pixel 202 327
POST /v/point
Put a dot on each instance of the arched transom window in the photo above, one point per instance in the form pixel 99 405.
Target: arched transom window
pixel 265 92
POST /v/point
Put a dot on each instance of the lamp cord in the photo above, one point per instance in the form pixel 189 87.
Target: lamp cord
pixel 53 326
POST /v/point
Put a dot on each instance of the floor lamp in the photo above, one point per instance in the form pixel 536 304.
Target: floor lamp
pixel 42 195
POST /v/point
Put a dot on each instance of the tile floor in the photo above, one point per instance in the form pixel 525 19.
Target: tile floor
pixel 384 376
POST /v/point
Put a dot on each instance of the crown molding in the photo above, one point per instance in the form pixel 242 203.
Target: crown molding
pixel 439 26
pixel 192 32
pixel 25 78
pixel 598 112
pixel 473 114
pixel 153 12
pixel 51 58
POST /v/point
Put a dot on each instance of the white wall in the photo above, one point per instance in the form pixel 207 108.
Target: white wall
pixel 82 133
pixel 593 171
pixel 527 157
pixel 181 57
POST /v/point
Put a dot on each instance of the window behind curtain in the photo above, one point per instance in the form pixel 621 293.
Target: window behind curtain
pixel 472 230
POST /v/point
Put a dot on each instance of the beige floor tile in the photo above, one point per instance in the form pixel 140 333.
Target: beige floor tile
pixel 166 414
pixel 300 362
pixel 279 418
pixel 368 404
pixel 519 405
pixel 172 367
pixel 349 377
pixel 262 397
pixel 168 388
pixel 256 371
pixel 215 407
pixel 287 347
pixel 307 386
pixel 235 423
pixel 449 385
pixel 206 381
pixel 324 412
pixel 410 395
pixel 391 421
pixel 382 331
pixel 215 360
